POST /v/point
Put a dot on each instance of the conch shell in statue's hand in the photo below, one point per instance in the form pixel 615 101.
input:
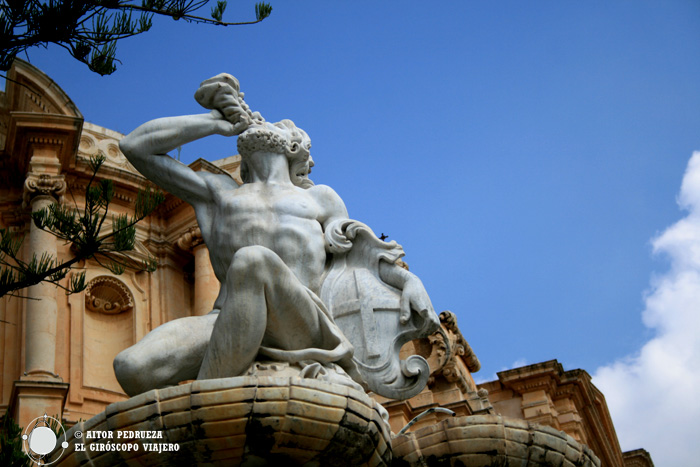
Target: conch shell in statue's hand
pixel 210 88
pixel 222 93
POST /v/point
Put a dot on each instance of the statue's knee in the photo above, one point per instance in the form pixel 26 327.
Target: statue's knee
pixel 129 370
pixel 123 364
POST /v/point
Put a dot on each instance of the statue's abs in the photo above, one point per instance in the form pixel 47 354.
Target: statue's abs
pixel 285 223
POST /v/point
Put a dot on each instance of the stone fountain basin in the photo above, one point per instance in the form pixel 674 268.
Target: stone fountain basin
pixel 489 441
pixel 233 421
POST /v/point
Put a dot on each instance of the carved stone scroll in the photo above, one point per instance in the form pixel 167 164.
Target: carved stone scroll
pixel 450 346
pixel 43 185
pixel 190 239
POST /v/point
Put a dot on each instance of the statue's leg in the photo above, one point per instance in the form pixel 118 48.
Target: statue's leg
pixel 266 302
pixel 171 353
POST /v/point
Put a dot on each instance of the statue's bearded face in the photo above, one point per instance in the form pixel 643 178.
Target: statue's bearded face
pixel 281 138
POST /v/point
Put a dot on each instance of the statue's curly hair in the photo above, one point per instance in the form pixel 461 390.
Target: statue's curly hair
pixel 293 142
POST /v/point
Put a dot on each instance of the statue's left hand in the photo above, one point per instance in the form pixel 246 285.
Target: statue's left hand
pixel 414 297
pixel 224 127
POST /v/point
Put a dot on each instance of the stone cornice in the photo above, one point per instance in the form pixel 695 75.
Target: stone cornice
pixel 637 458
pixel 545 375
pixel 576 386
pixel 131 179
pixel 79 186
pixel 203 165
pixel 27 130
pixel 29 89
pixel 171 203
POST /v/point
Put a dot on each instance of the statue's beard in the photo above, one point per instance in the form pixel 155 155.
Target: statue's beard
pixel 299 174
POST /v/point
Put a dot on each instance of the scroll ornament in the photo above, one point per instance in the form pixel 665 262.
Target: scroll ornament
pixel 43 185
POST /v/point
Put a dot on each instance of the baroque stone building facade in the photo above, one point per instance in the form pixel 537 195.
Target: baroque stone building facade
pixel 56 349
pixel 56 352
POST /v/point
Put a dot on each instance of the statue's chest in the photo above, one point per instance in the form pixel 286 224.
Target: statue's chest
pixel 268 205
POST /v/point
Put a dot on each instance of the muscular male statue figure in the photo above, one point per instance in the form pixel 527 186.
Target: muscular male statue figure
pixel 266 244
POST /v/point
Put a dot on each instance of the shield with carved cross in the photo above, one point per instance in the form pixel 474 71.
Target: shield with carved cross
pixel 367 310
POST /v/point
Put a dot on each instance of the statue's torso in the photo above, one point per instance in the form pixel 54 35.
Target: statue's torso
pixel 283 218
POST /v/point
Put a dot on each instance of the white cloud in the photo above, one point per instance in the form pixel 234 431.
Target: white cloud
pixel 654 396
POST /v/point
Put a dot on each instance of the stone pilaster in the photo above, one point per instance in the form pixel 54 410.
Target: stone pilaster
pixel 42 135
pixel 41 191
pixel 206 285
pixel 40 390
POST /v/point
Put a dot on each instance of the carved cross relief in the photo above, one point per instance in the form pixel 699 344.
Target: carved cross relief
pixel 366 304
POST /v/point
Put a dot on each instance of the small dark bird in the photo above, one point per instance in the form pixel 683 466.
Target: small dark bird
pixel 383 237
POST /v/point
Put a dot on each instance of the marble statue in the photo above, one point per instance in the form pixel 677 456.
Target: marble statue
pixel 301 283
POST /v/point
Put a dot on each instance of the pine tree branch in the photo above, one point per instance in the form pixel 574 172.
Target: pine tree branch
pixel 192 18
pixel 90 29
pixel 84 232
pixel 34 279
pixel 59 285
pixel 23 297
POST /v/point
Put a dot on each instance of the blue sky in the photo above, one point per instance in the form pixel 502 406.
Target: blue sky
pixel 525 154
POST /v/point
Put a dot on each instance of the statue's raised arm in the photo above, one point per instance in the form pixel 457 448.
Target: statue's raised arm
pixel 147 146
